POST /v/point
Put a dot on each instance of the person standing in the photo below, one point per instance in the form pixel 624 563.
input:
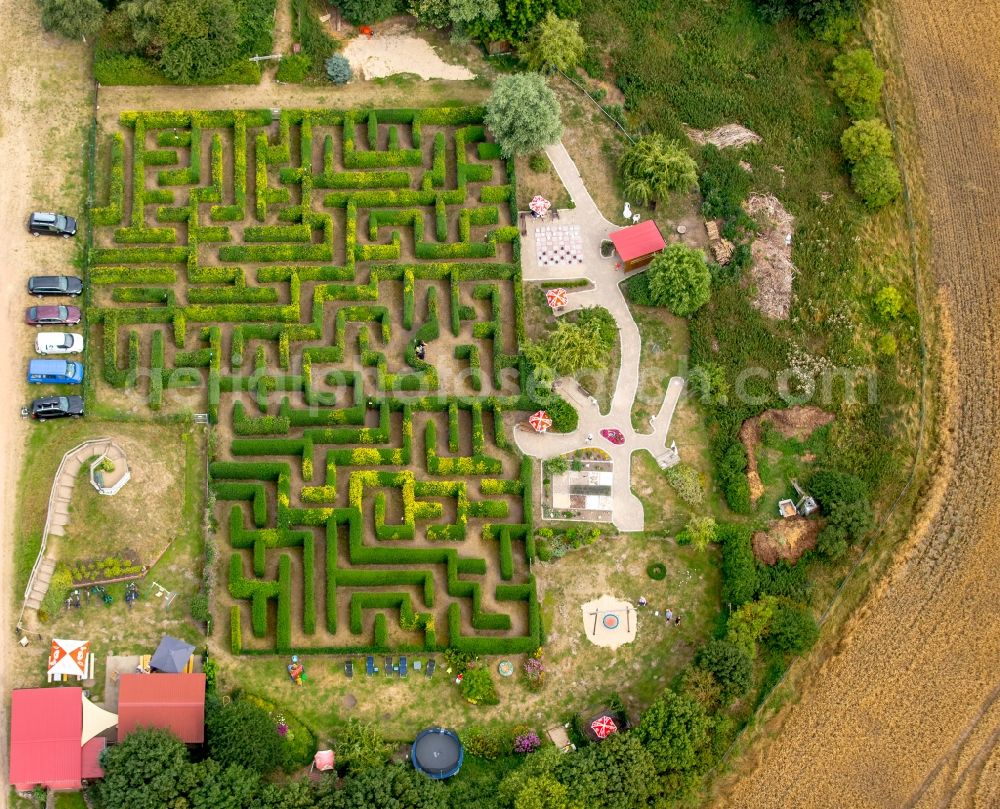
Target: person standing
pixel 669 616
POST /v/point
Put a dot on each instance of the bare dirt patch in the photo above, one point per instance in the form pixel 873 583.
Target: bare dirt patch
pixel 785 539
pixel 384 56
pixel 727 135
pixel 772 269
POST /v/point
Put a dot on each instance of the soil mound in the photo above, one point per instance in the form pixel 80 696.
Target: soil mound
pixel 728 135
pixel 772 269
pixel 785 539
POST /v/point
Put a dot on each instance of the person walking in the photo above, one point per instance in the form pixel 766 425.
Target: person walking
pixel 669 615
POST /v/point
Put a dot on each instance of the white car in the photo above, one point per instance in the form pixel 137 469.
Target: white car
pixel 57 342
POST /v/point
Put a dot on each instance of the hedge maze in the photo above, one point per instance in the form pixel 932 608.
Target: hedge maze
pixel 340 292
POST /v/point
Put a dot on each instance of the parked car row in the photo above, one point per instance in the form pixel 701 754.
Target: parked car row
pixel 55 371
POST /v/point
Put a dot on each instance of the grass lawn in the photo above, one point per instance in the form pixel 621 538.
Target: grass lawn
pixel 116 628
pixel 70 800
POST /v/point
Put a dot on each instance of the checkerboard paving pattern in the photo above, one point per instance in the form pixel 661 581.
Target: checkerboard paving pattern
pixel 558 244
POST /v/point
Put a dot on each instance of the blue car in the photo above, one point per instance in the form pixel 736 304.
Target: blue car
pixel 55 372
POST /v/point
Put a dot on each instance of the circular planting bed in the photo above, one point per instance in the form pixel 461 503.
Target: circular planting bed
pixel 437 753
pixel 657 571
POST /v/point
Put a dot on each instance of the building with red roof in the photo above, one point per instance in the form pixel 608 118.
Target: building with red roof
pixel 55 739
pixel 637 244
pixel 174 702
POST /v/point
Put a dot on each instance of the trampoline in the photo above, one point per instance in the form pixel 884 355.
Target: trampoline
pixel 437 753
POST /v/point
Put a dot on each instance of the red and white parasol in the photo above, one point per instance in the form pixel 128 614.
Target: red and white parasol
pixel 603 727
pixel 69 657
pixel 539 205
pixel 556 298
pixel 540 421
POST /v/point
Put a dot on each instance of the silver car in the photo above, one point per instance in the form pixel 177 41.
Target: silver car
pixel 58 342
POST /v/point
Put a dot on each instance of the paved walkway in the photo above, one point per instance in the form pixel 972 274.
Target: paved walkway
pixel 601 272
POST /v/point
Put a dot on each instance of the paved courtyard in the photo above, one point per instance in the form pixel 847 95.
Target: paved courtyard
pixel 605 277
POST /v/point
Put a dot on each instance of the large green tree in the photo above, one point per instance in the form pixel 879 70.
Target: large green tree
pixel 618 772
pixel 674 730
pixel 148 768
pixel 731 666
pixel 571 348
pixel 556 44
pixel 384 787
pixel 654 166
pixel 857 80
pixel 679 279
pixel 361 12
pixel 243 733
pixel 523 114
pixel 199 38
pixel 72 19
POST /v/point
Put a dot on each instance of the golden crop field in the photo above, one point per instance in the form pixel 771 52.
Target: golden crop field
pixel 907 712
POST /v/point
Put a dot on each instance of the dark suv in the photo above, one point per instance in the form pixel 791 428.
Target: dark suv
pixel 55 285
pixel 56 407
pixel 51 224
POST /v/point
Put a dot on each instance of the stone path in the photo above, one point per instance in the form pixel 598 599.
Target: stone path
pixel 602 273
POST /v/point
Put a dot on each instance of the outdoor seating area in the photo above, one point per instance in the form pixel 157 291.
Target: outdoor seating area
pixel 393 667
pixel 558 244
pixel 70 659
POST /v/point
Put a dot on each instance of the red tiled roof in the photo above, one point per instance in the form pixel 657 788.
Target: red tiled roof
pixel 90 761
pixel 638 240
pixel 45 727
pixel 174 702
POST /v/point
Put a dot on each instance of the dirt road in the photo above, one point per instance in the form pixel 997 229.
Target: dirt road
pixel 907 714
pixel 44 105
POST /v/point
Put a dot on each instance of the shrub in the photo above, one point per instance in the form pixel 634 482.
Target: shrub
pixel 360 746
pixel 244 734
pixel 730 664
pixel 72 19
pixel 885 345
pixel 235 630
pixel 478 687
pixel 739 570
pixel 679 280
pixel 489 742
pixel 857 81
pixel 686 481
pixel 338 69
pixel 657 571
pixel 360 12
pixel 888 303
pixel 294 68
pixel 792 629
pixel 724 184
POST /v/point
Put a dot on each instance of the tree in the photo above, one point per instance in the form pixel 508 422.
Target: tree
pixel 701 531
pixel 674 729
pixel 360 746
pixel 523 114
pixel 218 787
pixel 864 139
pixel 857 80
pixel 685 480
pixel 465 14
pixel 360 12
pixel 750 623
pixel 876 180
pixel 556 44
pixel 655 166
pixel 679 280
pixel 618 772
pixel 243 733
pixel 199 38
pixel 144 18
pixel 730 664
pixel 73 19
pixel 844 500
pixel 148 768
pixel 338 69
pixel 793 629
pixel 391 787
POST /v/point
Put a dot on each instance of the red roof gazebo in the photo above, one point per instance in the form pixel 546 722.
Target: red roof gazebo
pixel 637 244
pixel 174 702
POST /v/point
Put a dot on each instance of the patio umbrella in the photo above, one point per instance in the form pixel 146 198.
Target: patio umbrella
pixel 171 655
pixel 69 657
pixel 539 205
pixel 603 726
pixel 556 298
pixel 323 760
pixel 540 421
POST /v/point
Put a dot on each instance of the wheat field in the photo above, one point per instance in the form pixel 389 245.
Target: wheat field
pixel 907 712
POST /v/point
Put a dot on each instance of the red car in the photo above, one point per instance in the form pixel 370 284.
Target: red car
pixel 52 316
